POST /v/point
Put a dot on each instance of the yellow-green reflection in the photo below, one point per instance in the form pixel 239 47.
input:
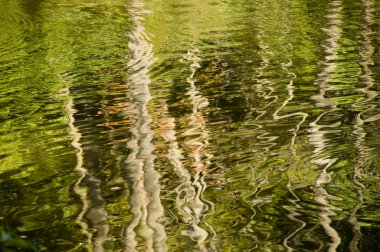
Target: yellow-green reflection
pixel 190 126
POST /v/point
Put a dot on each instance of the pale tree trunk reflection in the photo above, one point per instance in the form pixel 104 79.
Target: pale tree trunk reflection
pixel 187 152
pixel 318 133
pixel 142 178
pixel 366 78
pixel 90 193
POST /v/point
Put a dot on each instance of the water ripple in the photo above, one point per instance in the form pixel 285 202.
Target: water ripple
pixel 143 179
pixel 366 60
pixel 194 126
pixel 318 132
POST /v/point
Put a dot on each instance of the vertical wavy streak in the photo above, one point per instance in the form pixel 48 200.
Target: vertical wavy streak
pixel 303 115
pixel 191 206
pixel 317 136
pixel 264 89
pixel 293 216
pixel 90 195
pixel 263 84
pixel 189 200
pixel 333 35
pixel 290 88
pixel 82 192
pixel 96 214
pixel 292 213
pixel 189 193
pixel 365 61
pixel 145 201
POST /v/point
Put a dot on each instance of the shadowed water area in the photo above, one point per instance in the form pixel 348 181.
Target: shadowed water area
pixel 197 125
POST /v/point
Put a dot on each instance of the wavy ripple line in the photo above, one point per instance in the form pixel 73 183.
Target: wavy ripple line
pixel 317 136
pixel 90 195
pixel 264 84
pixel 292 215
pixel 82 192
pixel 366 54
pixel 265 89
pixel 292 212
pixel 303 115
pixel 189 201
pixel 189 198
pixel 145 201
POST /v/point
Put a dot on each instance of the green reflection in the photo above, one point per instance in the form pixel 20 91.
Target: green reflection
pixel 190 126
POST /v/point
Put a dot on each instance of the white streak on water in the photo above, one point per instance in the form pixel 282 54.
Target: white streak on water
pixel 318 133
pixel 145 201
pixel 82 192
pixel 191 205
pixel 366 54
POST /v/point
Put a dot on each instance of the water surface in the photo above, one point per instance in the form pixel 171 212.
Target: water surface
pixel 190 125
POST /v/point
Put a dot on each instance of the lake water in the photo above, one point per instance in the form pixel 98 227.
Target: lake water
pixel 198 125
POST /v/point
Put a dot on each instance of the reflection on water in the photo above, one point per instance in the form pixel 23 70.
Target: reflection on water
pixel 189 192
pixel 366 54
pixel 318 132
pixel 143 179
pixel 90 195
pixel 190 126
pixel 81 191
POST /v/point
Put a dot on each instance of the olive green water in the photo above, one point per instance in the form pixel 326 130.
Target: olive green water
pixel 198 125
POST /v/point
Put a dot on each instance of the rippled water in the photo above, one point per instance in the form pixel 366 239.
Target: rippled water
pixel 191 125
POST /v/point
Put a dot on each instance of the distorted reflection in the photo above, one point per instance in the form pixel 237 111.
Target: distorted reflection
pixel 80 190
pixel 189 158
pixel 87 187
pixel 200 125
pixel 189 193
pixel 366 54
pixel 142 178
pixel 318 132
